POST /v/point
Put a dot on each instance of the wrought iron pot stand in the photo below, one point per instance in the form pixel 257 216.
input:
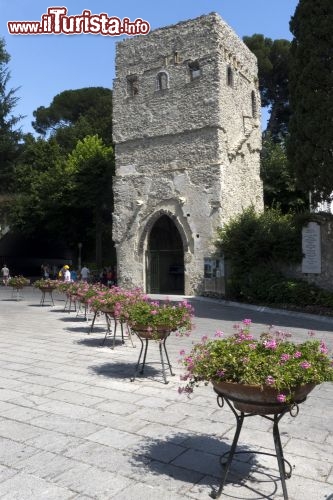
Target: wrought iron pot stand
pixel 145 339
pixel 46 290
pixel 109 318
pixel 17 292
pixel 226 458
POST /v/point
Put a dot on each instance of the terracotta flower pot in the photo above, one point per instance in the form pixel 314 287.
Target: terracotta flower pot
pixel 145 332
pixel 262 401
pixel 107 310
pixel 47 288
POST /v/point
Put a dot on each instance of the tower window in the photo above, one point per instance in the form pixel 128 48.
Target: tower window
pixel 162 81
pixel 254 104
pixel 230 77
pixel 195 70
pixel 132 85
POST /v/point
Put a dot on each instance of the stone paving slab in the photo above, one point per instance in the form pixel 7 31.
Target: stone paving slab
pixel 73 425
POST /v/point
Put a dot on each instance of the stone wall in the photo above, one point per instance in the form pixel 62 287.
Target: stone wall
pixel 187 142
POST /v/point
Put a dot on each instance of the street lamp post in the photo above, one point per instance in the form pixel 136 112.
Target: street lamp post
pixel 79 258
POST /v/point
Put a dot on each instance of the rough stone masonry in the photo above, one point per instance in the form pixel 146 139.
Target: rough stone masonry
pixel 186 125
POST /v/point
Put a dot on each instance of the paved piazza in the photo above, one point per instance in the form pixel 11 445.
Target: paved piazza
pixel 73 425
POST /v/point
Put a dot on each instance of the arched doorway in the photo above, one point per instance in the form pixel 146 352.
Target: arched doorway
pixel 165 258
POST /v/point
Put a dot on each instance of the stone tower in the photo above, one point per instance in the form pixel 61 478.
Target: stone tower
pixel 186 124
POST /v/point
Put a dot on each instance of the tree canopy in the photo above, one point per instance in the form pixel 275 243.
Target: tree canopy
pixel 310 147
pixel 64 178
pixel 90 168
pixel 74 114
pixel 67 197
pixel 273 72
pixel 279 182
pixel 9 135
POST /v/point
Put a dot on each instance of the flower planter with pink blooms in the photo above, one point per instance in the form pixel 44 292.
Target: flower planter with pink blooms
pixel 271 369
pixel 266 377
pixel 156 320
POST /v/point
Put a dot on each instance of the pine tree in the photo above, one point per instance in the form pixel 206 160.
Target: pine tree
pixel 273 60
pixel 310 148
pixel 9 136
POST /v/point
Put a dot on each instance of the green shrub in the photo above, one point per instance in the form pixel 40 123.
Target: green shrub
pixel 251 239
pixel 255 285
pixel 264 285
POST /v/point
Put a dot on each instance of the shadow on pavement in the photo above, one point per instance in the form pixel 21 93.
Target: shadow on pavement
pixel 41 305
pixel 93 342
pixel 72 319
pixel 213 309
pixel 126 370
pixel 86 329
pixel 58 310
pixel 13 300
pixel 199 462
pixel 196 458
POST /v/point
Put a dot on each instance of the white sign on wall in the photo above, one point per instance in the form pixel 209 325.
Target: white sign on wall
pixel 311 248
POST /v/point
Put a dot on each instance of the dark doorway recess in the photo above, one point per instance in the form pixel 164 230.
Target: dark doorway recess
pixel 165 258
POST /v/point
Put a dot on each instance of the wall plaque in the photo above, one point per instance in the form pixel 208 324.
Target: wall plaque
pixel 311 248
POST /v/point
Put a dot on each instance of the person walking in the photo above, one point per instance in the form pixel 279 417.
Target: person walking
pixel 46 272
pixel 73 275
pixel 67 274
pixel 5 274
pixel 84 273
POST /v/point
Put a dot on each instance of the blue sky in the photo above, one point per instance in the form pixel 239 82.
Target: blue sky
pixel 45 65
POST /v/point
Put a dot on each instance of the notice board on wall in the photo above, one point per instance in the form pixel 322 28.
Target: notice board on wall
pixel 311 248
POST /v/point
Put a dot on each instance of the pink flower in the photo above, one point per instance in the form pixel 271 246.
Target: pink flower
pixel 182 352
pixel 281 398
pixel 297 354
pixel 153 312
pixel 305 365
pixel 323 348
pixel 270 344
pixel 204 339
pixel 218 333
pixel 247 322
pixel 220 373
pixel 284 357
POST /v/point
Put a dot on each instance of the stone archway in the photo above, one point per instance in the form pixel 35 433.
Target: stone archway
pixel 165 258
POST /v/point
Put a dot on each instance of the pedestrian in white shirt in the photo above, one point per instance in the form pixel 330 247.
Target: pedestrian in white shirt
pixel 67 274
pixel 5 274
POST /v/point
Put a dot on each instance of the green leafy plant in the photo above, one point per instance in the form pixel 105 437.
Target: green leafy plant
pixel 154 315
pixel 18 282
pixel 115 300
pixel 48 283
pixel 251 238
pixel 272 361
pixel 86 293
pixel 64 286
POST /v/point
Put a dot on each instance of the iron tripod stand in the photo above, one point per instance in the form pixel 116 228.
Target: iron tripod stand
pixel 229 455
pixel 162 348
